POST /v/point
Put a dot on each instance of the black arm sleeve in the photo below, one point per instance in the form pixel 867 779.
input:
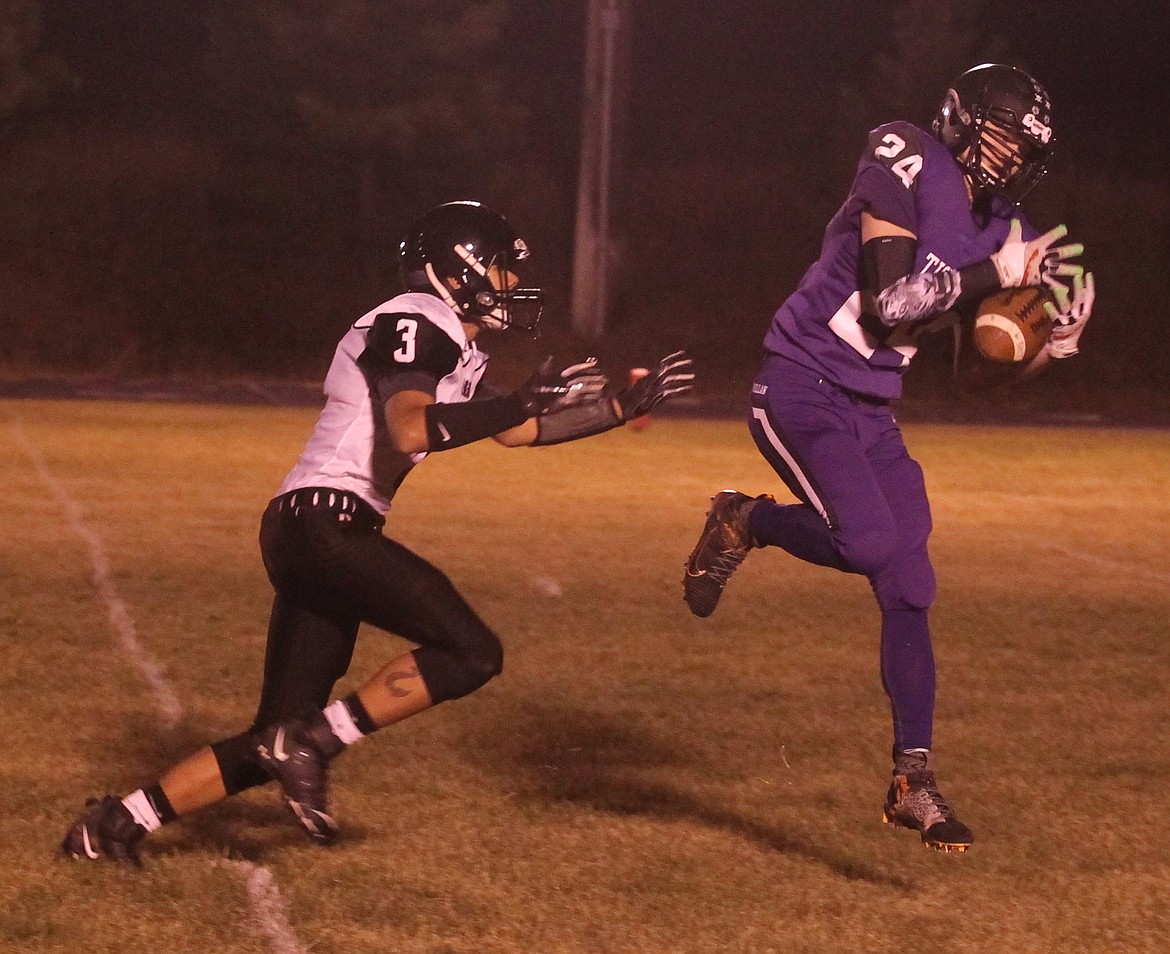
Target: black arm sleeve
pixel 453 425
pixel 886 259
pixel 977 281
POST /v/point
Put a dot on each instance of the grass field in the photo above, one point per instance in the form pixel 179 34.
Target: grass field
pixel 638 780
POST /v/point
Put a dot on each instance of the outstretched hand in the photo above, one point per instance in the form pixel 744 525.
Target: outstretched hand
pixel 673 376
pixel 1039 261
pixel 550 389
pixel 1069 315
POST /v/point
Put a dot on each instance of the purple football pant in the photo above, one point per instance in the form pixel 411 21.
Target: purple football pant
pixel 863 510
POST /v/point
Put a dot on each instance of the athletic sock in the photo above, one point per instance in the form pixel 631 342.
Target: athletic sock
pixel 909 760
pixel 150 807
pixel 797 528
pixel 359 713
pixel 343 722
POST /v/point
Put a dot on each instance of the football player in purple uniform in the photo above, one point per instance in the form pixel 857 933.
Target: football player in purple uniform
pixel 930 225
pixel 404 382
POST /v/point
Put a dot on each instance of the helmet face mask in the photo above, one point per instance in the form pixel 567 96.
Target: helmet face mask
pixel 467 255
pixel 997 123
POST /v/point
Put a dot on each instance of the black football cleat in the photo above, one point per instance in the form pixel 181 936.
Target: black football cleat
pixel 286 753
pixel 106 830
pixel 915 802
pixel 722 547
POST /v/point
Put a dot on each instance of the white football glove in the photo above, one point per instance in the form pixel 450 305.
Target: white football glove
pixel 1020 263
pixel 1069 315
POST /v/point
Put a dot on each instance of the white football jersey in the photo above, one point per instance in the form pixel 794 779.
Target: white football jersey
pixel 413 339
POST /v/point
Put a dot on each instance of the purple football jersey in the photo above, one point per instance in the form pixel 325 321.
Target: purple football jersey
pixel 906 177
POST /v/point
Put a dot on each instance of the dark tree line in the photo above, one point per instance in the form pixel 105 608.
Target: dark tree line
pixel 217 187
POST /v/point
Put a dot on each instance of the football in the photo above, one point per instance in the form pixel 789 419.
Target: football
pixel 1012 325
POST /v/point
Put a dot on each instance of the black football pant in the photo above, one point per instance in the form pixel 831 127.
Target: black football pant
pixel 332 570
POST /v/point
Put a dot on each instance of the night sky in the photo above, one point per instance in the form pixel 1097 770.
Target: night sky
pixel 728 75
pixel 711 75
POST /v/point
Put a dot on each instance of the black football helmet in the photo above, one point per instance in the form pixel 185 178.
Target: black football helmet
pixel 466 254
pixel 997 123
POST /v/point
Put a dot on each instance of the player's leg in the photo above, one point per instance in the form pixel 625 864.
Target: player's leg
pixel 309 553
pixel 397 590
pixel 311 640
pixel 904 586
pixel 905 589
pixel 807 430
pixel 311 637
pixel 457 651
pixel 389 586
pixel 306 654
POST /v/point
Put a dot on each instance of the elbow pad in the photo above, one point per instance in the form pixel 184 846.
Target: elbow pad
pixel 887 266
pixel 917 296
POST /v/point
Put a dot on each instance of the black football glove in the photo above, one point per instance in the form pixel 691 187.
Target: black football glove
pixel 673 376
pixel 551 390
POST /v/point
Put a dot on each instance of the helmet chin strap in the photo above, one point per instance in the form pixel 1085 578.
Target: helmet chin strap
pixel 442 290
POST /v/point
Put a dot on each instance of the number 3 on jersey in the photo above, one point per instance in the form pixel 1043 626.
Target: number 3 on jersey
pixel 408 328
pixel 905 168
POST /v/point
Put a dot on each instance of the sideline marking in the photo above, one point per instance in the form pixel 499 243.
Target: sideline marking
pixel 267 905
pixel 120 618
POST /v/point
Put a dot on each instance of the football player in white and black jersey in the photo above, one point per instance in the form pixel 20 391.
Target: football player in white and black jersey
pixel 405 382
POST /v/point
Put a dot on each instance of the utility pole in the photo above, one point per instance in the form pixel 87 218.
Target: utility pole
pixel 606 71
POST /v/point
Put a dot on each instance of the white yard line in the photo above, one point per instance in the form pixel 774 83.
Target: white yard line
pixel 269 910
pixel 1106 564
pixel 267 906
pixel 122 622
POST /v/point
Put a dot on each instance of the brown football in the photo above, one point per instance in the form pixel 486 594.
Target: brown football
pixel 1012 325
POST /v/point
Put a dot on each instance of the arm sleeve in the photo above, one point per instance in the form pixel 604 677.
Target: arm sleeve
pixel 453 425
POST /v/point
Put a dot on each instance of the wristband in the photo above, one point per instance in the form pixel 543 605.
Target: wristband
pixel 977 281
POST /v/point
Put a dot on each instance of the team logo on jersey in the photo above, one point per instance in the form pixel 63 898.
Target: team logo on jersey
pixel 935 265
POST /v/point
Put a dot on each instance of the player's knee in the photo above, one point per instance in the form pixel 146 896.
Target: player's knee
pixel 868 552
pixel 906 586
pixel 487 660
pixel 449 675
